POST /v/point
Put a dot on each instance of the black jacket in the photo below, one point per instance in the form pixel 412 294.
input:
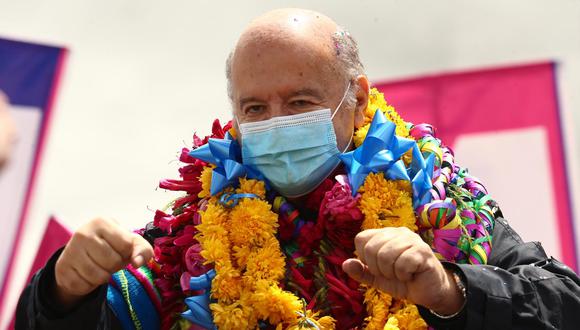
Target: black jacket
pixel 520 288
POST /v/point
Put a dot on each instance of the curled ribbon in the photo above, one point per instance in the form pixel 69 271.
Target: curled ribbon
pixel 231 200
pixel 199 311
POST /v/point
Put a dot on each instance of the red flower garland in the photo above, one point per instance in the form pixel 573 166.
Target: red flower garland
pixel 177 254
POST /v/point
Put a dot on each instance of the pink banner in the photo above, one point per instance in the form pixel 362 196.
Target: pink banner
pixel 55 236
pixel 504 118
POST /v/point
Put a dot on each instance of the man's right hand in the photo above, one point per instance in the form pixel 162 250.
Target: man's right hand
pixel 94 252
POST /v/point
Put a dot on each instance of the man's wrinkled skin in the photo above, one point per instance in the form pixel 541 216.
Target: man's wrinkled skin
pixel 284 63
pixel 7 131
pixel 95 251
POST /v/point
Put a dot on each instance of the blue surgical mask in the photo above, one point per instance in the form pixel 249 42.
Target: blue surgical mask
pixel 295 153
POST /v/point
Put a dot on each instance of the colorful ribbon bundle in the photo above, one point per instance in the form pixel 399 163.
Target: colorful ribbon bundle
pixel 134 299
pixel 459 219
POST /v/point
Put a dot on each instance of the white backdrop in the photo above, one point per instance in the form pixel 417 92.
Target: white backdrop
pixel 143 75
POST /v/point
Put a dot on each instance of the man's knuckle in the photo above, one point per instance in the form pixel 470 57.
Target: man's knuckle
pixel 80 237
pixel 99 221
pixel 71 283
pixel 369 250
pixel 359 239
pixel 102 277
pixel 425 251
pixel 408 262
pixel 116 262
pixel 61 278
pixel 126 244
pixel 89 271
pixel 384 255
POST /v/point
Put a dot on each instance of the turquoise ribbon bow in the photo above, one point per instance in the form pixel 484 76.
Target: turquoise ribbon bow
pixel 225 154
pixel 381 151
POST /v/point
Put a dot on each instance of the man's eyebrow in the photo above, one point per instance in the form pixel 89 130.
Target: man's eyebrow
pixel 249 99
pixel 306 92
pixel 301 92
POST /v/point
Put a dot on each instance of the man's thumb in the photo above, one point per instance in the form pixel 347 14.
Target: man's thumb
pixel 142 251
pixel 358 271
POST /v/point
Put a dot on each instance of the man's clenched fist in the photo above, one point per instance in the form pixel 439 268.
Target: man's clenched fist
pixel 94 252
pixel 398 262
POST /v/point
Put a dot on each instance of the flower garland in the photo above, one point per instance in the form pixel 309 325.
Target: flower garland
pixel 232 254
pixel 241 244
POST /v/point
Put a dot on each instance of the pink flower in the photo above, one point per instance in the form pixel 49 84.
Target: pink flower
pixel 314 199
pixel 217 131
pixel 190 172
pixel 191 187
pixel 343 218
pixel 187 199
pixel 163 221
pixel 194 262
pixel 186 238
pixel 170 223
pixel 184 157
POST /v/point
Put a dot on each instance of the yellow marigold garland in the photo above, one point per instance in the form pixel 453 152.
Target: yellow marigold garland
pixel 241 244
pixel 205 179
pixel 377 102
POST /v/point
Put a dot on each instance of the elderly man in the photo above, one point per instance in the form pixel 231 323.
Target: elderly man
pixel 298 92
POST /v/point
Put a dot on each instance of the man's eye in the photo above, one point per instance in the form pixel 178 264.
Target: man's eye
pixel 300 103
pixel 254 109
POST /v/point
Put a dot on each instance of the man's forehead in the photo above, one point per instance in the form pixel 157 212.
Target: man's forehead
pixel 300 41
pixel 285 52
pixel 282 67
pixel 293 29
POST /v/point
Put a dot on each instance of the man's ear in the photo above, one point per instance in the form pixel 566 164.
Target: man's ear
pixel 362 100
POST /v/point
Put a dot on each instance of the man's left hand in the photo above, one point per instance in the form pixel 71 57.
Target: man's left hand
pixel 398 262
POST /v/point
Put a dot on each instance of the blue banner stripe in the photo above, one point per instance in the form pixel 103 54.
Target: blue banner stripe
pixel 27 72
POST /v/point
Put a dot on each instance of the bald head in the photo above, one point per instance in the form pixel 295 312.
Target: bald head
pixel 309 32
pixel 291 26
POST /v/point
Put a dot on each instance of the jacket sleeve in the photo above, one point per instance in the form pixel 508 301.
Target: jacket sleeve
pixel 520 288
pixel 37 308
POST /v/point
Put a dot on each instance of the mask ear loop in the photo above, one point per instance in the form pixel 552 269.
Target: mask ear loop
pixel 341 101
pixel 336 111
pixel 348 144
pixel 239 128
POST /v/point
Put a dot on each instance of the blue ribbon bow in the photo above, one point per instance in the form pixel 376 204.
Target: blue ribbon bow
pixel 226 156
pixel 381 151
pixel 421 171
